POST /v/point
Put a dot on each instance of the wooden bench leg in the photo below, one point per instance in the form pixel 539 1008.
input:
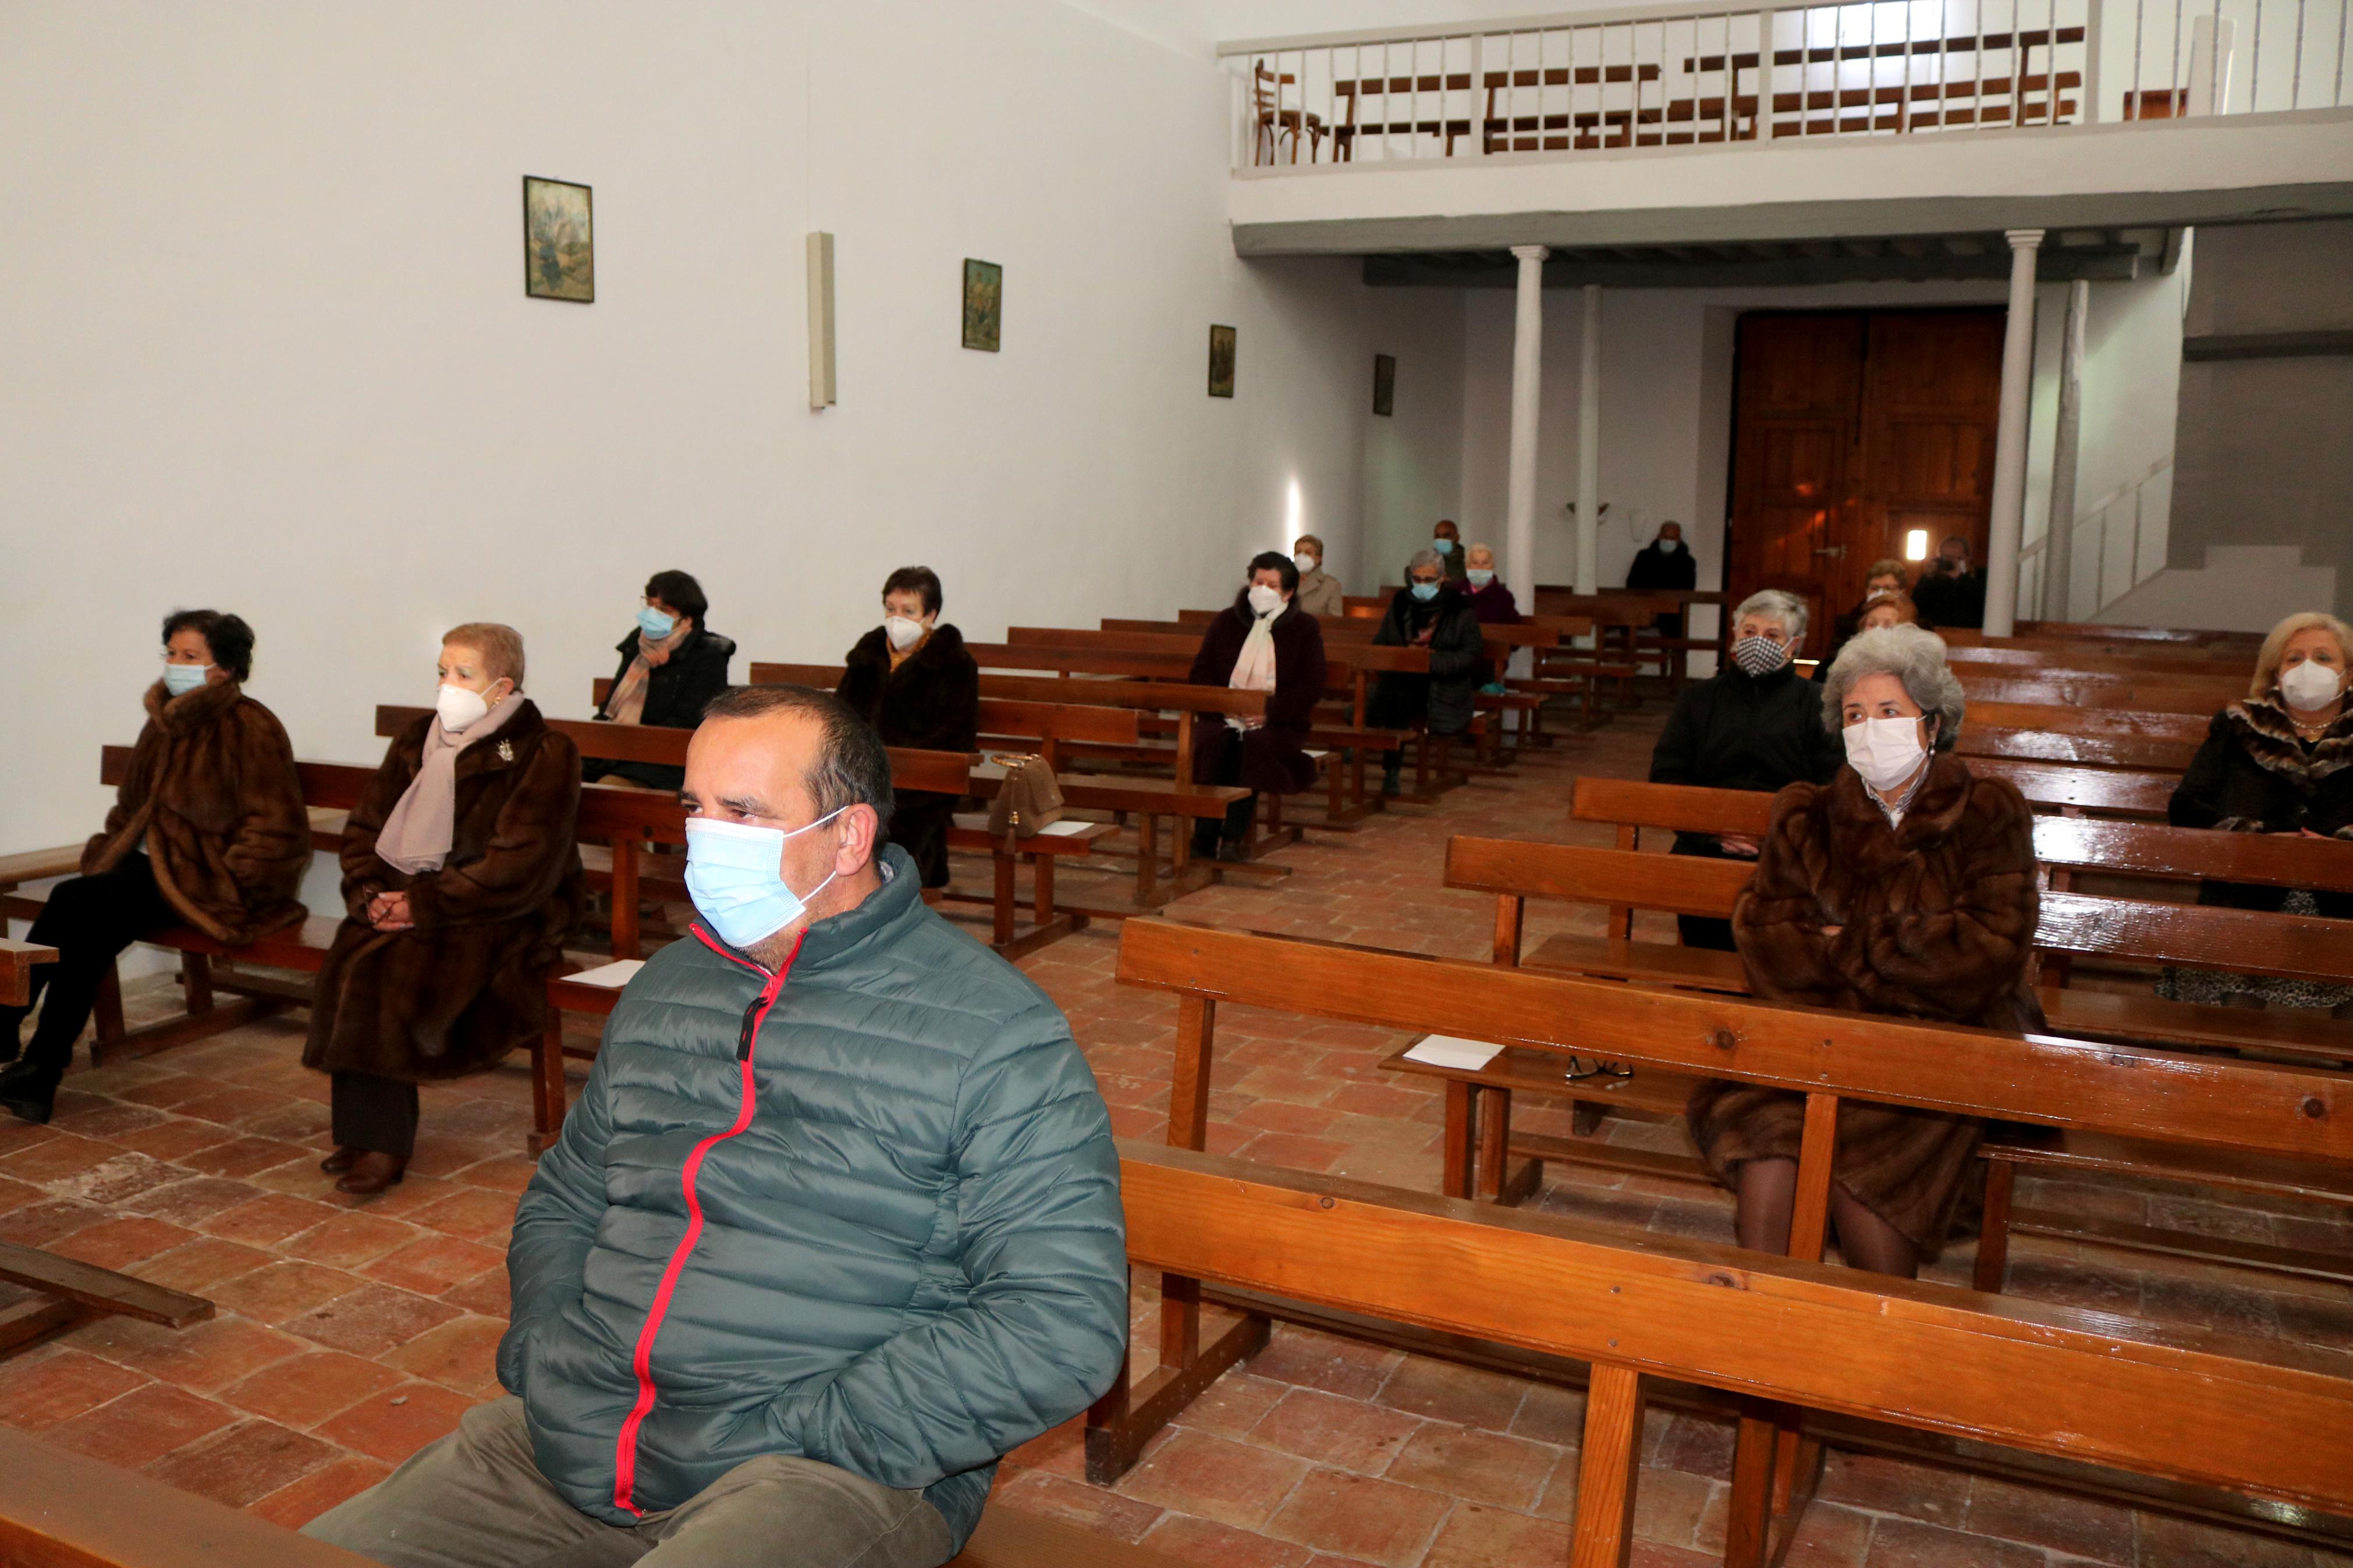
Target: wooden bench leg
pixel 548 1089
pixel 1993 1239
pixel 1462 1121
pixel 1001 905
pixel 625 934
pixel 196 981
pixel 1147 860
pixel 1495 1144
pixel 1041 873
pixel 1608 1469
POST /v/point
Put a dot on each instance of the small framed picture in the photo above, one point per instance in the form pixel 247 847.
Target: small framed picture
pixel 1385 384
pixel 983 304
pixel 1221 362
pixel 559 241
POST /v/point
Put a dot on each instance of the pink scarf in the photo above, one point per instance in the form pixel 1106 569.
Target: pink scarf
pixel 628 704
pixel 416 838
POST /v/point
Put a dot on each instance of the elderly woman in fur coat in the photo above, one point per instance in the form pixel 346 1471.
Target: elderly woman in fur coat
pixel 1266 642
pixel 462 879
pixel 207 830
pixel 1905 886
pixel 913 680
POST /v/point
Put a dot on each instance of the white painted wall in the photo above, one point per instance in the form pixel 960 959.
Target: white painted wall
pixel 268 348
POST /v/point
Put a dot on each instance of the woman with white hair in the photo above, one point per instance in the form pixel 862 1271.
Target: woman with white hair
pixel 1753 725
pixel 2279 759
pixel 1905 886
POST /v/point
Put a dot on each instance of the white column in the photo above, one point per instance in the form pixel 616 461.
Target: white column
pixel 2009 517
pixel 2058 538
pixel 1527 394
pixel 1588 445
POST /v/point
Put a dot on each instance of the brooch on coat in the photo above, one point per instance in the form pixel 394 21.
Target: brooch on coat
pixel 506 751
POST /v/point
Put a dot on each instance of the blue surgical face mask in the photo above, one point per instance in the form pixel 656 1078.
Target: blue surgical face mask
pixel 656 625
pixel 1443 546
pixel 1480 577
pixel 734 874
pixel 179 679
pixel 1425 592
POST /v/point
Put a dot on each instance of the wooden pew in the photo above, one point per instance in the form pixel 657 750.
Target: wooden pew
pixel 2110 791
pixel 66 1292
pixel 2183 695
pixel 2143 753
pixel 2107 723
pixel 16 962
pixel 62 1510
pixel 2159 661
pixel 1823 1056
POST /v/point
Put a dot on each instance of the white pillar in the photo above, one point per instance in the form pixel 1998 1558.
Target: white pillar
pixel 1588 445
pixel 1527 394
pixel 2059 537
pixel 2009 517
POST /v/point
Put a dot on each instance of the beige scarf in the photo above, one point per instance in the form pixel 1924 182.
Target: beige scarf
pixel 628 704
pixel 416 838
pixel 1254 667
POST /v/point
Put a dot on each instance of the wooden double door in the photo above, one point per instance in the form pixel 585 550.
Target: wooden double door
pixel 1851 429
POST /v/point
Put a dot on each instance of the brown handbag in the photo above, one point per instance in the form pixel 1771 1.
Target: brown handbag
pixel 1028 801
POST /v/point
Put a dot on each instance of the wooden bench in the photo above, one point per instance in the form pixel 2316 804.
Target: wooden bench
pixel 1612 1320
pixel 2143 753
pixel 16 962
pixel 63 1292
pixel 2182 695
pixel 62 1510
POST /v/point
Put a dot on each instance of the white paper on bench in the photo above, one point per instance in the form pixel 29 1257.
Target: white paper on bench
pixel 1447 1051
pixel 1069 827
pixel 614 975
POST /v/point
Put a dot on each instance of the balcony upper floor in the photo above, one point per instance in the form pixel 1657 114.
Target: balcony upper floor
pixel 1671 125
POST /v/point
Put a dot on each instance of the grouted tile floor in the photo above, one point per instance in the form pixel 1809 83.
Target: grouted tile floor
pixel 349 1333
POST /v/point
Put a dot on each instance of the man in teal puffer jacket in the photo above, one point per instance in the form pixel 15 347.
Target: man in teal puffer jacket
pixel 835 1224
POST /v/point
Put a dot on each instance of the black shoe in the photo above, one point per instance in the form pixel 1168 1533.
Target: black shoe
pixel 1231 849
pixel 1391 786
pixel 28 1093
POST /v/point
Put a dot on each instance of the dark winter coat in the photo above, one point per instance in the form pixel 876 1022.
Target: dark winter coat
pixel 1937 921
pixel 467 982
pixel 1736 731
pixel 676 691
pixel 212 797
pixel 1494 604
pixel 2255 775
pixel 1446 697
pixel 930 703
pixel 1274 756
pixel 910 1257
pixel 1947 599
pixel 1657 568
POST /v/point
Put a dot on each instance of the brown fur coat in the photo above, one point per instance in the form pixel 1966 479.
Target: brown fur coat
pixel 212 797
pixel 1936 921
pixel 468 983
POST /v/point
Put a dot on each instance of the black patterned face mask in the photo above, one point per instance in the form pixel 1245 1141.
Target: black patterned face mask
pixel 1759 655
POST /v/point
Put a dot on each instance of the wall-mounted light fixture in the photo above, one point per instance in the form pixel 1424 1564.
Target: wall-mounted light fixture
pixel 1916 545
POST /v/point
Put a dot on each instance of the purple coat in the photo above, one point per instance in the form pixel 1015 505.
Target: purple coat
pixel 1494 604
pixel 1274 756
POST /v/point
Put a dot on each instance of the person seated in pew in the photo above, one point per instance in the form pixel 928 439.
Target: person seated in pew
pixel 1664 562
pixel 1884 578
pixel 672 665
pixel 2275 762
pixel 1447 541
pixel 1905 886
pixel 1490 601
pixel 1268 643
pixel 1948 593
pixel 1896 609
pixel 208 828
pixel 1752 725
pixel 834 1225
pixel 1320 593
pixel 462 880
pixel 1429 613
pixel 911 679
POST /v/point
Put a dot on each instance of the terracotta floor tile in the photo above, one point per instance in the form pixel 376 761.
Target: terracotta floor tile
pixel 307 1389
pixel 1357 1516
pixel 1461 1394
pixel 265 1218
pixel 244 1464
pixel 1669 1506
pixel 1095 1509
pixel 1214 1478
pixel 1313 1360
pixel 371 1320
pixel 434 1264
pixel 15 1194
pixel 1893 1486
pixel 1346 1434
pixel 2168 1542
pixel 347 1238
pixel 192 1200
pixel 1475 1537
pixel 475 1213
pixel 487 1293
pixel 1480 1467
pixel 245 1156
pixel 1215 1545
pixel 1830 1536
pixel 1908 1544
pixel 283 1291
pixel 1551 1414
pixel 2077 1526
pixel 56 1383
pixel 57 1159
pixel 1233 1404
pixel 116 1243
pixel 200 1265
pixel 117 1180
pixel 297 1505
pixel 142 1425
pixel 460 1355
pixel 203 1356
pixel 1062 1451
pixel 392 1424
pixel 507 1173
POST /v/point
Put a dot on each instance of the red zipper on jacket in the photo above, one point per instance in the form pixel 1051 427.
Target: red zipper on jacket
pixel 625 1448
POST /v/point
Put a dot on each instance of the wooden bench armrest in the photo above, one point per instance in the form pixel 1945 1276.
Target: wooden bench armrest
pixel 39 865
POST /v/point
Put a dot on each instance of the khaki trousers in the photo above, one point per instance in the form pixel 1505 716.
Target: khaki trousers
pixel 476 1499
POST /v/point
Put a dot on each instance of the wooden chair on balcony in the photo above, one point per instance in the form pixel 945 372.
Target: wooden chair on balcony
pixel 1276 122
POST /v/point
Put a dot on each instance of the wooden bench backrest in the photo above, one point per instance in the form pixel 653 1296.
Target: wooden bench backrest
pixel 2086 789
pixel 2072 634
pixel 2267 1420
pixel 2138 753
pixel 1144 696
pixel 2160 661
pixel 2103 691
pixel 2063 720
pixel 1113 653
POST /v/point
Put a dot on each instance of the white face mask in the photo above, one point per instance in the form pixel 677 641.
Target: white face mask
pixel 2309 686
pixel 460 709
pixel 1671 545
pixel 1265 600
pixel 903 633
pixel 1885 751
pixel 1305 562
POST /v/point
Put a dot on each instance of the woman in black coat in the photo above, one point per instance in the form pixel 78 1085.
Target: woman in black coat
pixel 671 666
pixel 1267 756
pixel 913 680
pixel 1428 611
pixel 2278 760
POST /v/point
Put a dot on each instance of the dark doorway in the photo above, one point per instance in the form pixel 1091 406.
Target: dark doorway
pixel 1851 430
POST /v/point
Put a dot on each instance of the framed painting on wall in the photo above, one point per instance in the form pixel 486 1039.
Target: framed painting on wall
pixel 1221 362
pixel 983 304
pixel 1385 384
pixel 559 241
